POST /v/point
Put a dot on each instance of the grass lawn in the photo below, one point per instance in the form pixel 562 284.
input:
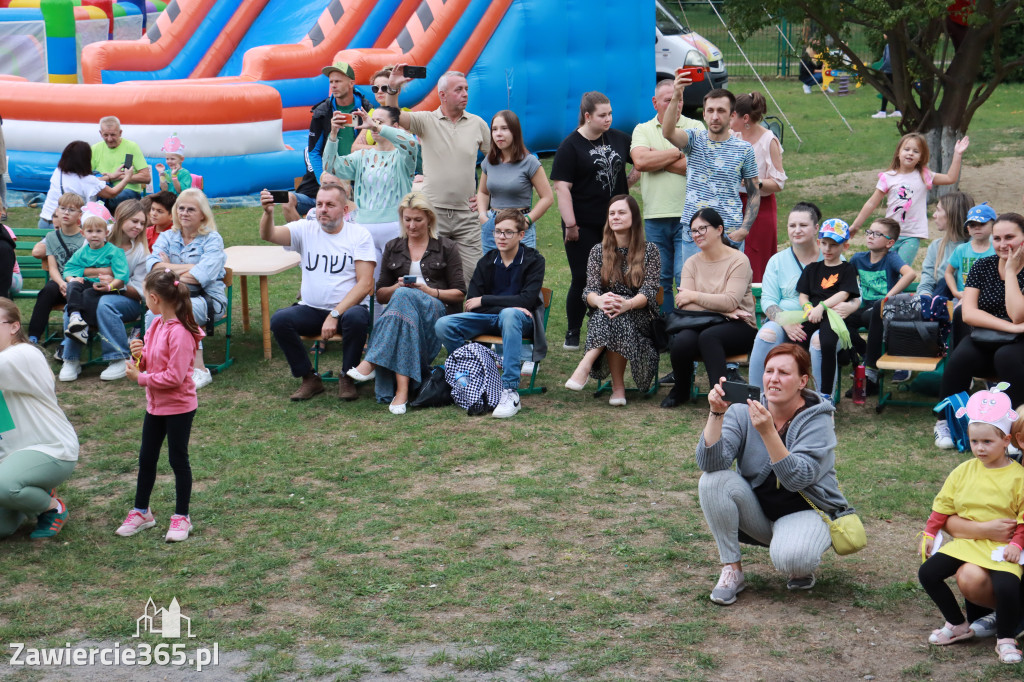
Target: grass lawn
pixel 336 541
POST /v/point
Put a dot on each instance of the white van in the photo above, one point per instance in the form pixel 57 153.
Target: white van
pixel 675 46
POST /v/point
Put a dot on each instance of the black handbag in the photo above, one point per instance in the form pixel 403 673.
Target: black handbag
pixel 694 320
pixel 993 338
pixel 913 338
pixel 435 391
pixel 658 334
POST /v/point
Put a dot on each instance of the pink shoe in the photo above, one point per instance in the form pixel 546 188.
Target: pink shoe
pixel 136 522
pixel 179 530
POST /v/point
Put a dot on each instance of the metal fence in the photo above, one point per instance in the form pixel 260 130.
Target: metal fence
pixel 766 49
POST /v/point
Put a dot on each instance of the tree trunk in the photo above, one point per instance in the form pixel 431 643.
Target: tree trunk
pixel 941 141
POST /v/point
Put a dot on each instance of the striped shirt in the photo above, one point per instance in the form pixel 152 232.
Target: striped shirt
pixel 714 172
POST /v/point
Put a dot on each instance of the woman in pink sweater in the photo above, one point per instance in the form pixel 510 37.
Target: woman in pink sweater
pixel 164 366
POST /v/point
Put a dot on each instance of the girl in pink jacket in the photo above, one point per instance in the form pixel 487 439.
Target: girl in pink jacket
pixel 164 366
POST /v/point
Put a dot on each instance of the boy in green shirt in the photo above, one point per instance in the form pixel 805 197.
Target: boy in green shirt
pixel 97 254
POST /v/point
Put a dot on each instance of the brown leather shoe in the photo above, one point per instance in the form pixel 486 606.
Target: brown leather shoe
pixel 347 388
pixel 311 385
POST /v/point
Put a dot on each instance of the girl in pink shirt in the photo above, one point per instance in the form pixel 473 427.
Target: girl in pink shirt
pixel 905 187
pixel 164 366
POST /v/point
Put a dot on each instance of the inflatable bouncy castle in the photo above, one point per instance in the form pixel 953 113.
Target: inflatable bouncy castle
pixel 235 79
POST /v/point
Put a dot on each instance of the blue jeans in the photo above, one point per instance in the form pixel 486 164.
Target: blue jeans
pixel 303 203
pixel 112 313
pixel 456 330
pixel 667 235
pixel 907 248
pixel 487 234
pixel 125 194
pixel 762 345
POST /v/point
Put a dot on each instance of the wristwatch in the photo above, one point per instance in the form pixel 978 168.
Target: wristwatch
pixel 335 314
pixel 391 91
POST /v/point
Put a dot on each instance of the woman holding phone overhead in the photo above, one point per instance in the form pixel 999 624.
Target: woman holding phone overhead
pixel 588 170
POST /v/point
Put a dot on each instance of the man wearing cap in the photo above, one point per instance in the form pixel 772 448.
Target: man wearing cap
pixel 342 78
pixel 108 159
pixel 450 138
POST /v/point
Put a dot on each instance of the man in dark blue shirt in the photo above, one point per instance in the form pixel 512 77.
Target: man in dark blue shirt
pixel 503 298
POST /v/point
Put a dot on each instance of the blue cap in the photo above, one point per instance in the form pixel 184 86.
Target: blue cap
pixel 982 213
pixel 834 229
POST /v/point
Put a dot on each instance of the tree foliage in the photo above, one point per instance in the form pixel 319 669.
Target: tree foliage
pixel 936 87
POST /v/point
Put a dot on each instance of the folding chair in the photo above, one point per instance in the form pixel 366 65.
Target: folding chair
pixel 318 350
pixel 226 322
pixel 490 339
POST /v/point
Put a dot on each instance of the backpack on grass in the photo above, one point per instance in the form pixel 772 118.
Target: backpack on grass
pixel 474 374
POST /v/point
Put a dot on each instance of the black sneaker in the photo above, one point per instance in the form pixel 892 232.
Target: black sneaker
pixel 572 340
pixel 668 380
pixel 733 374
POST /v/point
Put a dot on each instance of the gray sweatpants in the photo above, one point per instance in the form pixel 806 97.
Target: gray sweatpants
pixel 796 541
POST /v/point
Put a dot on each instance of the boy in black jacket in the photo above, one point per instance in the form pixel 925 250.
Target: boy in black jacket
pixel 504 298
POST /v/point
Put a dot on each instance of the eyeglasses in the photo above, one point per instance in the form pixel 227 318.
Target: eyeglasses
pixel 187 209
pixel 69 209
pixel 505 234
pixel 699 230
pixel 378 88
pixel 873 233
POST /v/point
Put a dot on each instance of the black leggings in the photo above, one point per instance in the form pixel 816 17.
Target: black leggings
pixel 712 346
pixel 969 360
pixel 83 299
pixel 829 341
pixel 48 297
pixel 933 574
pixel 7 261
pixel 176 428
pixel 871 318
pixel 577 253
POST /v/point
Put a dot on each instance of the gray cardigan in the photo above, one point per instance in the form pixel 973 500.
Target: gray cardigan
pixel 810 466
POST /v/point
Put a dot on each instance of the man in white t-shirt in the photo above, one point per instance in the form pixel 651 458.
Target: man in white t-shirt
pixel 337 279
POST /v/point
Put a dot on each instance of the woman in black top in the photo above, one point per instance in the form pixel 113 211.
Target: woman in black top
pixel 991 301
pixel 588 170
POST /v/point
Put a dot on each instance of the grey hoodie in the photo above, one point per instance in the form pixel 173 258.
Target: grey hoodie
pixel 809 467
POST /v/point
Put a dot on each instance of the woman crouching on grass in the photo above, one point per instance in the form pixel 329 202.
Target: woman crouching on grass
pixel 39 447
pixel 784 450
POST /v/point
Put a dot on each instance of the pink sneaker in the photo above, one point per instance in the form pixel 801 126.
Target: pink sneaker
pixel 135 523
pixel 179 530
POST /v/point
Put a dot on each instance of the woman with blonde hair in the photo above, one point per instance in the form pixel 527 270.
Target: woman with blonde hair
pixel 194 250
pixel 420 281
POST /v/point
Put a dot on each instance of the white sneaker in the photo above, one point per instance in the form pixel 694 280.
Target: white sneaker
pixel 943 441
pixel 879 114
pixel 508 406
pixel 75 322
pixel 114 371
pixel 527 368
pixel 201 377
pixel 807 89
pixel 70 370
pixel 896 114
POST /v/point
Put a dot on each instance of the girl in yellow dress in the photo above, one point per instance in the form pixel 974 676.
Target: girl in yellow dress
pixel 988 486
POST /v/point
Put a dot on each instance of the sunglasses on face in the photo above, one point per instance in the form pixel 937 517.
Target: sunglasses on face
pixel 378 88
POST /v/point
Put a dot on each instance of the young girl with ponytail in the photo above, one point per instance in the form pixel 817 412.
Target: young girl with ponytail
pixel 164 366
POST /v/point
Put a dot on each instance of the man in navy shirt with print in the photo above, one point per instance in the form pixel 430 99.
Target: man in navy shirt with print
pixel 503 298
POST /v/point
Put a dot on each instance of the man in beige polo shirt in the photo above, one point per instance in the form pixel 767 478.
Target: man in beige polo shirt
pixel 663 188
pixel 450 138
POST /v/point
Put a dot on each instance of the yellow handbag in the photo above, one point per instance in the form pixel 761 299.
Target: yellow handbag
pixel 847 531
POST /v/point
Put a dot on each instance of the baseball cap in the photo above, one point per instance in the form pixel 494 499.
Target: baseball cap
pixel 835 229
pixel 342 67
pixel 982 213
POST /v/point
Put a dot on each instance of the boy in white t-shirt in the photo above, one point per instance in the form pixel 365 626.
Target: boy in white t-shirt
pixel 337 278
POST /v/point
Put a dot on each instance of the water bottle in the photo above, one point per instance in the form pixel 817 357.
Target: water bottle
pixel 859 385
pixel 462 380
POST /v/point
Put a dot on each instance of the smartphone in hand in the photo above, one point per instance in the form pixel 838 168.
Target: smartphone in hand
pixel 280 196
pixel 738 392
pixel 694 73
pixel 409 279
pixel 129 161
pixel 414 71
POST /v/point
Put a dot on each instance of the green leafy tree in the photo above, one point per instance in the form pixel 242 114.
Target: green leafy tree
pixel 937 87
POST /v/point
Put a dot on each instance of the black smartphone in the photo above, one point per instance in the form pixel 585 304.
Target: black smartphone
pixel 129 161
pixel 414 71
pixel 280 196
pixel 738 392
pixel 409 279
